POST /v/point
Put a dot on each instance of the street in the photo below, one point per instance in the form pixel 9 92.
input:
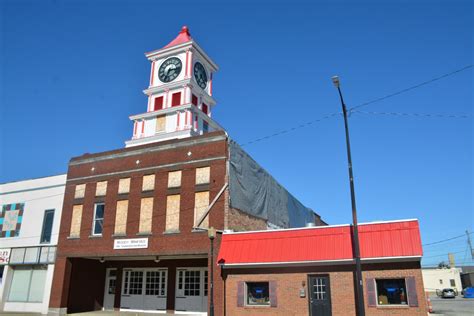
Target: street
pixel 453 307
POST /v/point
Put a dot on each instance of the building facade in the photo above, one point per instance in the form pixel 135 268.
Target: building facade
pixel 441 278
pixel 29 227
pixel 135 219
pixel 311 271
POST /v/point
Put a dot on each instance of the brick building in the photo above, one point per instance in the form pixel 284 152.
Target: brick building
pixel 311 271
pixel 133 232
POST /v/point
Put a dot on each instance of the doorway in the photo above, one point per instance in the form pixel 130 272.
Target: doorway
pixel 319 295
pixel 109 294
pixel 144 289
pixel 191 289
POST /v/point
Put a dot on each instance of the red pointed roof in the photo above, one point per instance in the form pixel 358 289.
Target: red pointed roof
pixel 387 240
pixel 183 37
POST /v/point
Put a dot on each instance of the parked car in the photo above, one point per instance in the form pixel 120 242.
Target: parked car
pixel 447 293
pixel 468 292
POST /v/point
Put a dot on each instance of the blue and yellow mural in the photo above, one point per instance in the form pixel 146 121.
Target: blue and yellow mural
pixel 10 219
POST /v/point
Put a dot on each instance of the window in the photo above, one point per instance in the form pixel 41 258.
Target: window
pixel 27 284
pixel 155 283
pixel 148 182
pixel 98 222
pixel 101 188
pixel 121 218
pixel 201 202
pixel 75 230
pixel 47 226
pixel 133 284
pixel 124 186
pixel 205 108
pixel 146 212
pixel 176 99
pixel 391 292
pixel 161 123
pixel 80 190
pixel 205 126
pixel 452 282
pixel 172 213
pixel 440 281
pixel 203 175
pixel 258 293
pixel 158 104
pixel 194 100
pixel 174 179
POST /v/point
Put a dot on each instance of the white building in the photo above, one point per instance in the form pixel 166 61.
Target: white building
pixel 29 226
pixel 438 279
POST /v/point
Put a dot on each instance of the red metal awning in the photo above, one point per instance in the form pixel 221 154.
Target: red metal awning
pixel 395 240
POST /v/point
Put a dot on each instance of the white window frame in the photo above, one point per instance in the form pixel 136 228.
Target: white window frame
pixel 95 219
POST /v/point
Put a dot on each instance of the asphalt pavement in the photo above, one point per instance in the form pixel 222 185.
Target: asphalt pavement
pixel 452 307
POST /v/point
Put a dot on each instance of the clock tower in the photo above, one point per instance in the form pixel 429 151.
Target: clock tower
pixel 180 98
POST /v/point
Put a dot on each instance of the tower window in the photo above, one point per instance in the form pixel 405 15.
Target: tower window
pixel 158 104
pixel 204 108
pixel 194 100
pixel 176 99
pixel 205 127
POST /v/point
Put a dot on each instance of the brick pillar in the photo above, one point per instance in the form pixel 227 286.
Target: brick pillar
pixel 60 288
pixel 118 288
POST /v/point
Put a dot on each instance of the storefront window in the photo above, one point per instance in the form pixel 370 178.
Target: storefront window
pixel 258 293
pixel 27 284
pixel 391 292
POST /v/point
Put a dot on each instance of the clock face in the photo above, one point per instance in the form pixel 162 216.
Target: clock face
pixel 170 69
pixel 200 75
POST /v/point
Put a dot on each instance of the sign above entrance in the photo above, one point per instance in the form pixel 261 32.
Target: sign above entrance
pixel 4 256
pixel 135 243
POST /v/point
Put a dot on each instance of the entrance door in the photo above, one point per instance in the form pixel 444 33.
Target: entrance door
pixel 144 289
pixel 319 295
pixel 191 289
pixel 109 295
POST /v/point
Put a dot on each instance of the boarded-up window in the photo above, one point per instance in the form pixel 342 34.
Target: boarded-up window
pixel 158 103
pixel 124 186
pixel 176 99
pixel 174 179
pixel 203 175
pixel 76 221
pixel 146 213
pixel 201 202
pixel 80 191
pixel 101 188
pixel 148 182
pixel 172 212
pixel 121 218
pixel 161 123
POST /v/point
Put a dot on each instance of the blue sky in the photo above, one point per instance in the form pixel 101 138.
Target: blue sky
pixel 71 72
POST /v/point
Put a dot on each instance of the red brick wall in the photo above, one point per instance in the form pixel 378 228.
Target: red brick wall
pixel 289 282
pixel 185 242
pixel 240 221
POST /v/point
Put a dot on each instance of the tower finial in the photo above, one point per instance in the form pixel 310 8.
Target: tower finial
pixel 185 29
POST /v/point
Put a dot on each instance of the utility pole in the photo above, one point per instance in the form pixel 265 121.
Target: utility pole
pixel 355 233
pixel 469 243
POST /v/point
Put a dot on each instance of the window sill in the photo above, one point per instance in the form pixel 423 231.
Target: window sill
pixel 395 306
pixel 144 234
pixel 118 235
pixel 256 306
pixel 203 230
pixel 73 237
pixel 171 232
pixel 95 236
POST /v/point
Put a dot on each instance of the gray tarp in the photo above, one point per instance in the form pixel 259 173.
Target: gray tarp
pixel 255 192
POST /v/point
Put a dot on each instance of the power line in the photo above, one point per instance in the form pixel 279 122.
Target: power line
pixel 444 240
pixel 429 115
pixel 424 83
pixel 291 129
pixel 442 255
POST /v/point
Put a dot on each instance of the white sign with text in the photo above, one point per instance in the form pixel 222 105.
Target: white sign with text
pixel 4 256
pixel 135 243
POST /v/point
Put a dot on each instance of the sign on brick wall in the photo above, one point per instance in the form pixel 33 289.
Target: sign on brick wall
pixel 134 243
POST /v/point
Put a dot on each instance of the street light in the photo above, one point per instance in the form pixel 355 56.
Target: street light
pixel 211 233
pixel 355 235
